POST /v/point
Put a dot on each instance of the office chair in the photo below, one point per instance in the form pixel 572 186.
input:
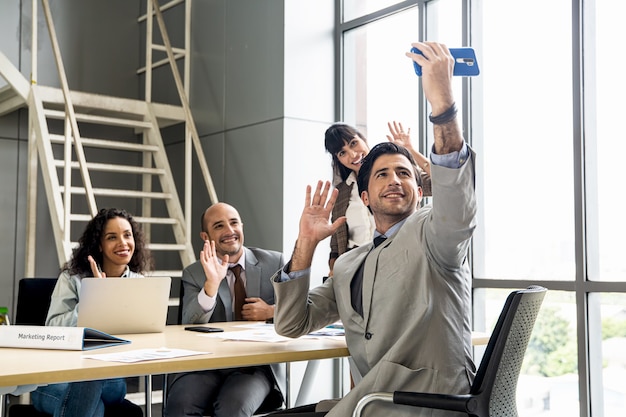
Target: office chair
pixel 33 302
pixel 493 393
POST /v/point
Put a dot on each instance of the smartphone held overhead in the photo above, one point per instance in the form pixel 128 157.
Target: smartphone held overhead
pixel 465 63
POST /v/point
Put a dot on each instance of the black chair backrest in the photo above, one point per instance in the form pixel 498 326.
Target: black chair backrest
pixel 181 295
pixel 496 379
pixel 33 300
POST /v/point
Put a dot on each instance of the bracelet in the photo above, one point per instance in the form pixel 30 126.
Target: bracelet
pixel 445 117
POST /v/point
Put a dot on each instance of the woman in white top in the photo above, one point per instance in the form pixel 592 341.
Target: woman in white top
pixel 112 246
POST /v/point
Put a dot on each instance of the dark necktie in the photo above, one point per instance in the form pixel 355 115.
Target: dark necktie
pixel 379 239
pixel 356 285
pixel 239 290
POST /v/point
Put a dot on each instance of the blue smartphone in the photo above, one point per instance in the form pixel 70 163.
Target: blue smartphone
pixel 465 63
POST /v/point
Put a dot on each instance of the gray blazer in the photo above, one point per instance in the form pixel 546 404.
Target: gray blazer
pixel 261 264
pixel 415 333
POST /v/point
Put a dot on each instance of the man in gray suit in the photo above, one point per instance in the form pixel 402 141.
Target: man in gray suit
pixel 210 296
pixel 405 299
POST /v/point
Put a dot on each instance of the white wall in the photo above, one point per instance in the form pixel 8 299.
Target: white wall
pixel 309 110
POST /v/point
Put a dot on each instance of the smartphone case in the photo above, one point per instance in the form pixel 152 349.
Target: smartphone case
pixel 465 64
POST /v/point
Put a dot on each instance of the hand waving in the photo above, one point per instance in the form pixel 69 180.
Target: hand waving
pixel 314 222
pixel 399 136
pixel 95 269
pixel 213 270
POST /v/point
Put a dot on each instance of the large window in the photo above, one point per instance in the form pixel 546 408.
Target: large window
pixel 526 228
pixel 545 119
pixel 379 82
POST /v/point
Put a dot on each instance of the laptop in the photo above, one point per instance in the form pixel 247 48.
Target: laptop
pixel 124 305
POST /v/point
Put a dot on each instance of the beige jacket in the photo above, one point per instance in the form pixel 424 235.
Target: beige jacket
pixel 416 332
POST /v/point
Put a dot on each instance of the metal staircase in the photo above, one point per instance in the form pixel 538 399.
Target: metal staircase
pixel 99 151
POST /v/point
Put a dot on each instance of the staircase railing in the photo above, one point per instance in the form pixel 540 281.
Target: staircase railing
pixel 60 201
pixel 191 132
pixel 71 119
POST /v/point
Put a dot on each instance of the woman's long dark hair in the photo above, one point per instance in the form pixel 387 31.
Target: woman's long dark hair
pixel 336 137
pixel 89 244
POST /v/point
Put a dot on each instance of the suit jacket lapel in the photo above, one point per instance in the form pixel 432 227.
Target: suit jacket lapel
pixel 369 277
pixel 253 275
pixel 224 292
pixel 351 272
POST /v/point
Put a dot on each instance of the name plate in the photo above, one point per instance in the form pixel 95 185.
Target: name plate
pixel 53 337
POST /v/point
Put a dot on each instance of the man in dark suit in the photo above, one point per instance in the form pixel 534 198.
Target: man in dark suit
pixel 210 295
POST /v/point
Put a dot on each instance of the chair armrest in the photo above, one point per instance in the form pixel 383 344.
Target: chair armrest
pixel 461 403
pixel 368 398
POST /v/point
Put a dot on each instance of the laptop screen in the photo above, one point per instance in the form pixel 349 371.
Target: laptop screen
pixel 124 305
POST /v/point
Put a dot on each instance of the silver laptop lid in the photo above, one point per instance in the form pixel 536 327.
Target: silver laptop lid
pixel 124 305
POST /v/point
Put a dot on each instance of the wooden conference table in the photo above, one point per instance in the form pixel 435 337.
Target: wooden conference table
pixel 37 366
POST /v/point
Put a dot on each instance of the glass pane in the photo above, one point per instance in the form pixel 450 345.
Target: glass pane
pixel 380 84
pixel 445 25
pixel 606 221
pixel 526 224
pixel 548 384
pixel 353 9
pixel 613 316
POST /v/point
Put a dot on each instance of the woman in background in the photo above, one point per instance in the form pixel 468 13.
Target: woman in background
pixel 348 147
pixel 112 246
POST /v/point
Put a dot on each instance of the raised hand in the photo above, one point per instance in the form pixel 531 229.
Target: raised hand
pixel 213 270
pixel 399 136
pixel 402 138
pixel 315 223
pixel 95 269
pixel 437 68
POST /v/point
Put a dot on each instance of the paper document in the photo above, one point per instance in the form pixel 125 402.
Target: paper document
pixel 139 355
pixel 264 332
pixel 329 331
pixel 267 334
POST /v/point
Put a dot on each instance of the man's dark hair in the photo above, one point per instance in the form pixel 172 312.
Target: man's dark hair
pixel 384 148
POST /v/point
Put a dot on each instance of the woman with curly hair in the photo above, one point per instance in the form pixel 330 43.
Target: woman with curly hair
pixel 111 246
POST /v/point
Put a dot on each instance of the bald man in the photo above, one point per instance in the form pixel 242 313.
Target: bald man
pixel 209 297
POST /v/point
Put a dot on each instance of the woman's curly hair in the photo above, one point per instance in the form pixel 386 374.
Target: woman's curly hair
pixel 89 244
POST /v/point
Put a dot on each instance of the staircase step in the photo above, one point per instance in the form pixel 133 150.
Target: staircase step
pixel 139 219
pixel 9 100
pixel 167 114
pixel 166 247
pixel 159 247
pixel 113 192
pixel 127 169
pixel 165 273
pixel 102 120
pixel 108 144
